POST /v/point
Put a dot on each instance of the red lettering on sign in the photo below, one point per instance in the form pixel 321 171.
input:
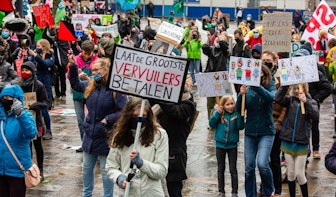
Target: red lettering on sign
pixel 324 10
pixel 312 25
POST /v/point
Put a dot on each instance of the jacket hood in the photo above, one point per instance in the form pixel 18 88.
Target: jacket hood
pixel 14 91
pixel 31 66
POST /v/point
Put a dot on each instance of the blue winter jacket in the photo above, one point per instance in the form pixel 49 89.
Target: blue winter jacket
pixel 259 107
pixel 100 104
pixel 19 132
pixel 227 132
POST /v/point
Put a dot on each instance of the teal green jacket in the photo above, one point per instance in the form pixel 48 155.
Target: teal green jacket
pixel 193 49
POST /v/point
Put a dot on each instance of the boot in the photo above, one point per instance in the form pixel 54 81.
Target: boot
pixel 47 135
pixel 41 174
pixel 291 188
pixel 304 190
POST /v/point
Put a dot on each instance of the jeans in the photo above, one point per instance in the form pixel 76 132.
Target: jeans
pixel 79 109
pixel 194 68
pixel 258 149
pixel 232 155
pixel 46 117
pixel 89 162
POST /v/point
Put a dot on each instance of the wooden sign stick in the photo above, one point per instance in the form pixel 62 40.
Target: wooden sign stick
pixel 303 111
pixel 243 105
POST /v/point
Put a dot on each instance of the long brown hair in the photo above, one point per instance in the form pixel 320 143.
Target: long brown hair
pixel 267 78
pixel 122 129
pixel 105 63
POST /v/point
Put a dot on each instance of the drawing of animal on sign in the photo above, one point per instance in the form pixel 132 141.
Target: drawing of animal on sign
pixel 213 84
pixel 296 70
pixel 245 71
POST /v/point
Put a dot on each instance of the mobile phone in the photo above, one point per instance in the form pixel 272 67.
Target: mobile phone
pixel 70 52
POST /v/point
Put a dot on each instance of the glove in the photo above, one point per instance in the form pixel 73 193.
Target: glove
pixel 137 160
pixel 34 106
pixel 120 180
pixel 17 107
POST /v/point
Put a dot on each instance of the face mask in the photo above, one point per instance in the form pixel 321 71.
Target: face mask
pixel 213 24
pixel 104 40
pixel 269 64
pixel 217 45
pixel 237 39
pixel 256 35
pixel 38 50
pixel 256 57
pixel 98 77
pixel 7 104
pixel 194 37
pixel 135 120
pixel 248 18
pixel 4 34
pixel 25 75
pixel 140 36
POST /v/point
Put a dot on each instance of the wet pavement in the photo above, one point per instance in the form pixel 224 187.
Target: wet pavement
pixel 62 169
pixel 63 165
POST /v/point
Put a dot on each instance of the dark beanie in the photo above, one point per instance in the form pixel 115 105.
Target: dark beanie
pixel 307 46
pixel 257 48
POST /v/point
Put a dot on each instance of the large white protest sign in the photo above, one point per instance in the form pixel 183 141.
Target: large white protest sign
pixel 170 33
pixel 296 70
pixel 245 71
pixel 213 84
pixel 323 18
pixel 113 29
pixel 83 19
pixel 147 75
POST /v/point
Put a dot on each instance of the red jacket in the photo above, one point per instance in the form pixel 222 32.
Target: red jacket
pixel 253 41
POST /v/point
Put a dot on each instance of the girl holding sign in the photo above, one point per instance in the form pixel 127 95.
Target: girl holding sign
pixel 259 132
pixel 295 134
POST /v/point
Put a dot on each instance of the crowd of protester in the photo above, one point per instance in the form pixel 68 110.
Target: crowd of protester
pixel 107 131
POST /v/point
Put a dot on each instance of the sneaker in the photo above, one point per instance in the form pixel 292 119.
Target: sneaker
pixel 316 154
pixel 221 194
pixel 79 150
pixel 47 135
pixel 334 136
pixel 235 195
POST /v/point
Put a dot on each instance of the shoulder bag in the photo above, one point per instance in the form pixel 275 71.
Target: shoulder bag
pixel 32 175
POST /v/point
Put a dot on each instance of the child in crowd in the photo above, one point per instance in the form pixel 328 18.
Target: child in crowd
pixel 295 133
pixel 227 122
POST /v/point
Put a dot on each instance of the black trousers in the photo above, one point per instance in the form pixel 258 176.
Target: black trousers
pixel 39 152
pixel 175 188
pixel 12 186
pixel 232 155
pixel 60 81
pixel 275 164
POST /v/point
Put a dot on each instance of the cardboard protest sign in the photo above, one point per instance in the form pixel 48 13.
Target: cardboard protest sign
pixel 277 29
pixel 147 75
pixel 245 71
pixel 323 18
pixel 43 16
pixel 213 84
pixel 296 70
pixel 170 33
pixel 113 29
pixel 30 98
pixel 144 44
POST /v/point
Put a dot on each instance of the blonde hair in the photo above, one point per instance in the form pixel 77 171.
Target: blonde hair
pixel 105 65
pixel 305 88
pixel 225 99
pixel 44 43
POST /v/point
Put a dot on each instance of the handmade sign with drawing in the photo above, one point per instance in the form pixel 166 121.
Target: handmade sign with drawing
pixel 213 84
pixel 296 70
pixel 245 71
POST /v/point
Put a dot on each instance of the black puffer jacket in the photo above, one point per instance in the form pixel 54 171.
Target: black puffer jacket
pixel 296 126
pixel 321 89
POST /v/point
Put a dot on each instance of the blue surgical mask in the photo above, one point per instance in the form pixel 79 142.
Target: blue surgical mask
pixel 4 34
pixel 217 45
pixel 98 78
pixel 140 36
pixel 256 35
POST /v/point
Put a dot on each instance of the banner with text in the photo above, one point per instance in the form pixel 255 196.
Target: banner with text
pixel 323 18
pixel 213 84
pixel 43 16
pixel 147 75
pixel 296 70
pixel 170 33
pixel 84 19
pixel 113 29
pixel 277 29
pixel 245 71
